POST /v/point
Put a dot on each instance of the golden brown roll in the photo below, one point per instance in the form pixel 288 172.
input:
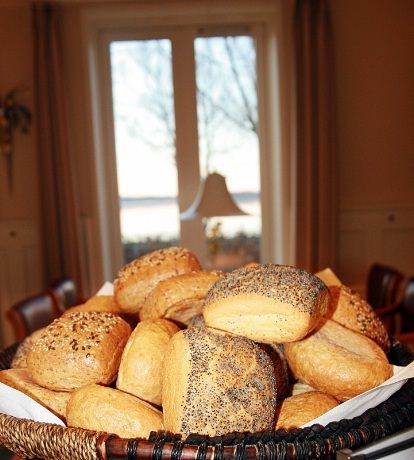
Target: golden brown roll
pixel 216 383
pixel 21 380
pixel 99 408
pixel 137 279
pixel 19 360
pixel 267 303
pixel 97 303
pixel 299 388
pixel 180 297
pixel 280 367
pixel 77 349
pixel 140 371
pixel 348 308
pixel 250 264
pixel 295 411
pixel 338 361
pixel 197 321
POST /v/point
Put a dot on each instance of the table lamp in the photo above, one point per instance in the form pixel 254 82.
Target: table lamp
pixel 213 199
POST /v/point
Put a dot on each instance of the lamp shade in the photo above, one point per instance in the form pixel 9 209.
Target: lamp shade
pixel 213 199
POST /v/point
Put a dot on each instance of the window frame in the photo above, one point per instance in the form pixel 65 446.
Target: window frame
pixel 150 21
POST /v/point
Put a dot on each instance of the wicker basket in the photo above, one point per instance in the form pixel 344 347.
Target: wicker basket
pixel 40 440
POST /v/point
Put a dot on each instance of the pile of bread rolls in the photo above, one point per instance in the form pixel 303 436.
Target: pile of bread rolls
pixel 186 350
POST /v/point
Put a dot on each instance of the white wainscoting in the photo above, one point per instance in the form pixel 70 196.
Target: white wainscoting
pixel 20 268
pixel 366 236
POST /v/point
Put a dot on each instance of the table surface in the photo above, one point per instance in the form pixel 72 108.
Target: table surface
pixel 370 450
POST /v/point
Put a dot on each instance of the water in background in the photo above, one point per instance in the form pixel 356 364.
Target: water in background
pixel 151 223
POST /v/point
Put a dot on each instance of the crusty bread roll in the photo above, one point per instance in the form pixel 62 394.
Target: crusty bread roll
pixel 99 408
pixel 21 380
pixel 338 361
pixel 267 303
pixel 280 367
pixel 19 360
pixel 250 264
pixel 295 411
pixel 348 308
pixel 141 367
pixel 137 279
pixel 216 383
pixel 77 349
pixel 299 388
pixel 180 297
pixel 197 321
pixel 97 303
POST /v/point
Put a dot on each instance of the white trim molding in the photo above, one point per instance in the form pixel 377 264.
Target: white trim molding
pixel 265 17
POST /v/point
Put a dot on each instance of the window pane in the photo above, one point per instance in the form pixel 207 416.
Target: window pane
pixel 228 142
pixel 145 144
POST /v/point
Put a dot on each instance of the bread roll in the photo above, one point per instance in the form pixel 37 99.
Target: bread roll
pixel 21 380
pixel 140 371
pixel 348 308
pixel 250 264
pixel 216 383
pixel 77 349
pixel 295 411
pixel 19 360
pixel 267 303
pixel 338 361
pixel 280 367
pixel 98 408
pixel 137 279
pixel 180 297
pixel 299 388
pixel 197 321
pixel 97 303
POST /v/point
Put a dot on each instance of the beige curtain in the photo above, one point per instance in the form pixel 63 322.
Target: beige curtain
pixel 316 182
pixel 59 206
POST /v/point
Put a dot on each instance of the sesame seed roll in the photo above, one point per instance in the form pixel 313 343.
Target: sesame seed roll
pixel 137 279
pixel 77 349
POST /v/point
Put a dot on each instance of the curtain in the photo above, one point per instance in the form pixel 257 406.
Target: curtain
pixel 60 226
pixel 316 204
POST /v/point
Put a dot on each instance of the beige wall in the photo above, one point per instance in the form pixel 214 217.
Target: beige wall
pixel 16 70
pixel 374 43
pixel 373 47
pixel 20 259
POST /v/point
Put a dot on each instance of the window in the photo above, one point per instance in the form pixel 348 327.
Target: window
pixel 182 92
pixel 144 123
pixel 145 139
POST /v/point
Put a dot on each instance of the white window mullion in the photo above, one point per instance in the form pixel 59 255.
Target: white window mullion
pixel 188 168
pixel 107 185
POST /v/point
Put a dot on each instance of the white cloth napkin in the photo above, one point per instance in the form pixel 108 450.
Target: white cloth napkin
pixel 17 404
pixel 371 398
pixel 106 289
pixel 13 402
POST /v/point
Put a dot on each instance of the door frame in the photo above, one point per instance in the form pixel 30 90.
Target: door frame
pixel 277 178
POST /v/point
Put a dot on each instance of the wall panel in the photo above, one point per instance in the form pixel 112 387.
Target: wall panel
pixel 20 273
pixel 382 235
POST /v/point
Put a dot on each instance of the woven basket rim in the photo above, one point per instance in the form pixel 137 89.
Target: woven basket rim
pixel 33 439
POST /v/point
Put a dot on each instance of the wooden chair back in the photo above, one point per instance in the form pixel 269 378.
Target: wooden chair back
pixel 406 307
pixel 65 293
pixel 383 285
pixel 31 314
